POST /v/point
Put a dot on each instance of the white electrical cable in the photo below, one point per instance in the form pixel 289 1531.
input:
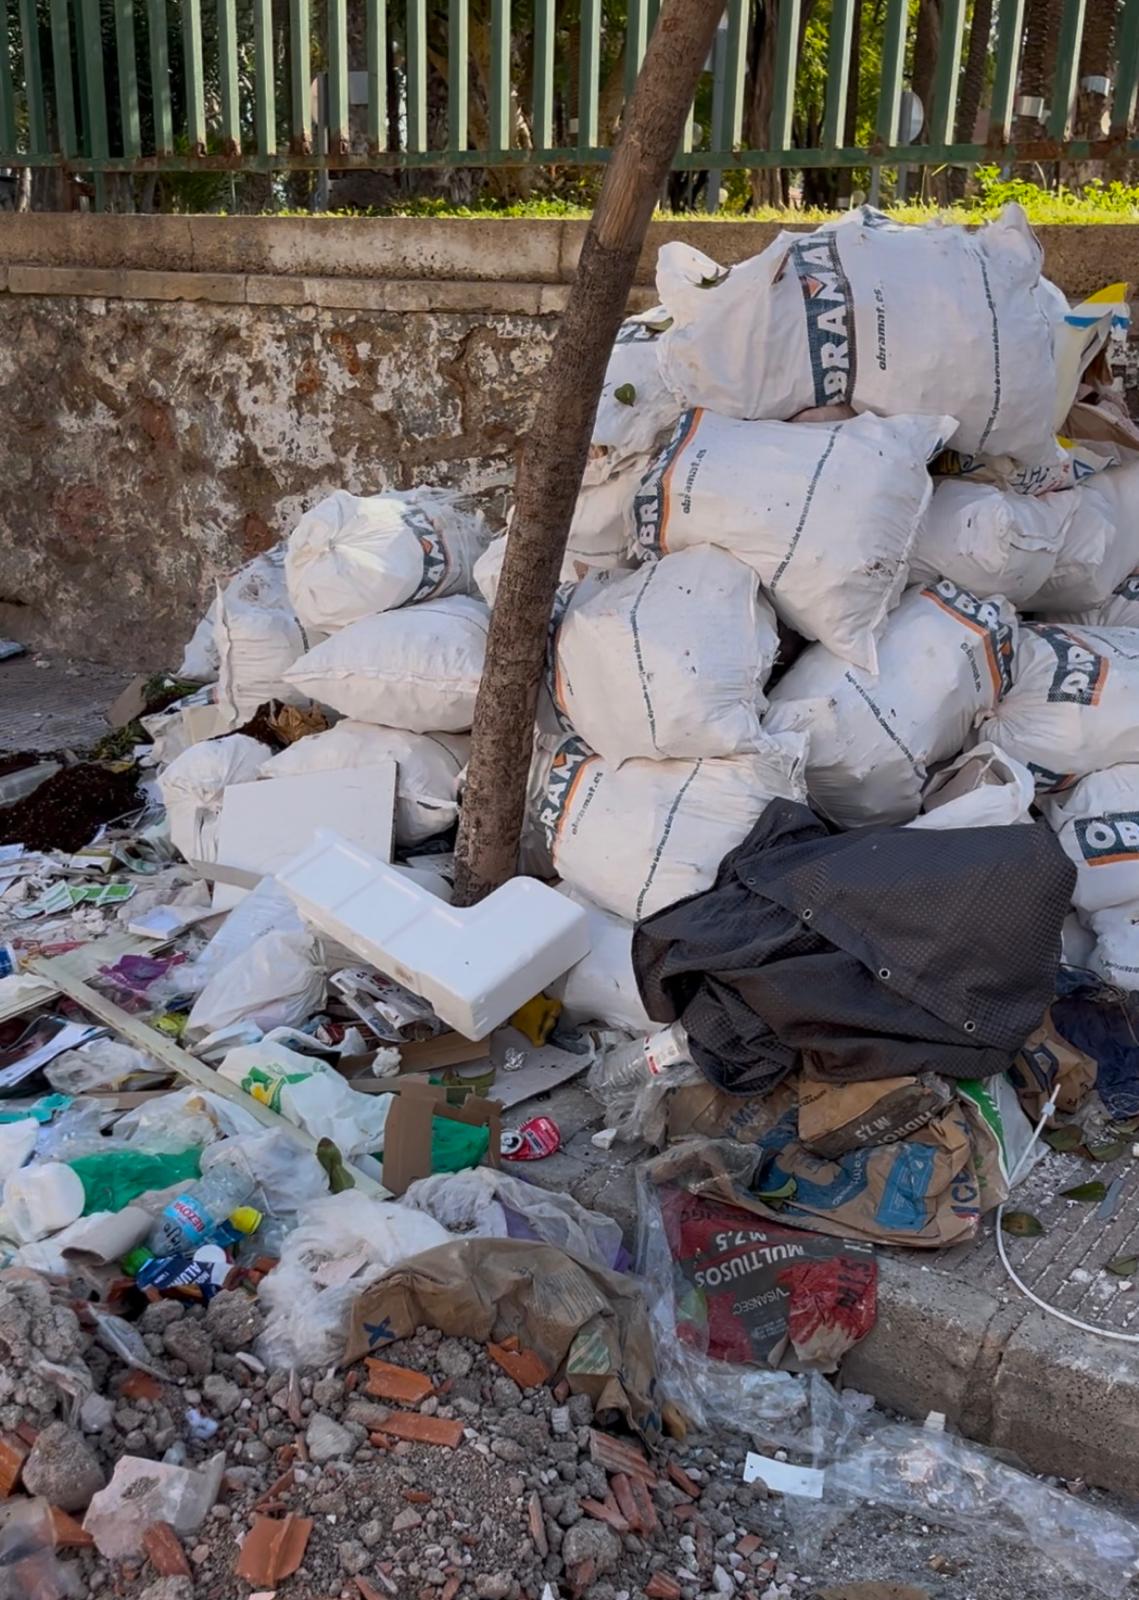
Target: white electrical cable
pixel 1053 1311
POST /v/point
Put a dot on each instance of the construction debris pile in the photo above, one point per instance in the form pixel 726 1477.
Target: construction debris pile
pixel 829 886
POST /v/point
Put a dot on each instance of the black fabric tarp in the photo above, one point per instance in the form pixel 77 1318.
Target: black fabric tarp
pixel 870 954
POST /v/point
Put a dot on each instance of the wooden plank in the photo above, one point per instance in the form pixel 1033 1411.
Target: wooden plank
pixel 181 1063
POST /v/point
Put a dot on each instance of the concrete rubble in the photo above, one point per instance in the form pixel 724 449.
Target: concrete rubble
pixel 483 1284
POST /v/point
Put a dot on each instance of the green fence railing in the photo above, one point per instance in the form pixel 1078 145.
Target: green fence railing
pixel 99 86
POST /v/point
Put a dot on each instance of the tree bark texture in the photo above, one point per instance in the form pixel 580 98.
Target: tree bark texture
pixel 554 453
pixel 972 87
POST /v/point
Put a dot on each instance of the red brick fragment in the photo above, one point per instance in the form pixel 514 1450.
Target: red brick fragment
pixel 273 1549
pixel 684 1511
pixel 140 1386
pixel 67 1533
pixel 417 1497
pixel 623 1492
pixel 748 1545
pixel 615 1455
pixel 367 1590
pixel 389 1382
pixel 582 1576
pixel 561 1392
pixel 606 1511
pixel 27 1433
pixel 526 1367
pixel 285 1481
pixel 661 1587
pixel 683 1482
pixel 644 1503
pixel 13 1453
pixel 423 1430
pixel 450 1588
pixel 164 1551
pixel 538 1526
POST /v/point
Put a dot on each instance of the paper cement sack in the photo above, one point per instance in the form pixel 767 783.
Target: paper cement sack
pixel 1120 611
pixel 983 788
pixel 1101 544
pixel 826 515
pixel 429 766
pixel 884 317
pixel 193 787
pixel 945 659
pixel 670 660
pixel 488 569
pixel 353 555
pixel 1072 708
pixel 416 668
pixel 602 987
pixel 636 405
pixel 990 540
pixel 258 637
pixel 638 836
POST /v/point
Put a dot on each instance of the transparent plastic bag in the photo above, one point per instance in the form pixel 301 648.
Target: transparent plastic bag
pixel 106 1065
pixel 486 1203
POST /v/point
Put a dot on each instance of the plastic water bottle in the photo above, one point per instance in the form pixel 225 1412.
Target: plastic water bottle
pixel 193 1217
pixel 630 1066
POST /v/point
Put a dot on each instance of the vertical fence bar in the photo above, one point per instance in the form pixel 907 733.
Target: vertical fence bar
pixel 195 77
pixel 416 75
pixel 127 60
pixel 458 74
pixel 160 77
pixel 1127 69
pixel 33 78
pixel 338 75
pixel 838 72
pixel 1067 67
pixel 499 76
pixel 377 50
pixel 1010 29
pixel 227 72
pixel 786 67
pixel 636 40
pixel 943 114
pixel 264 86
pixel 300 76
pixel 544 74
pixel 736 66
pixel 893 61
pixel 96 84
pixel 61 77
pixel 7 87
pixel 587 78
pixel 716 132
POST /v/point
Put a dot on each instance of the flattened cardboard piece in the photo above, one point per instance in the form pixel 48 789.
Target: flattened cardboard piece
pixel 1046 1062
pixel 407 1132
pixel 580 1318
pixel 702 1109
pixel 837 1117
pixel 128 705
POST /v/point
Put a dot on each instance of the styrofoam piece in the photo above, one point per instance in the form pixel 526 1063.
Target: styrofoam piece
pixel 474 964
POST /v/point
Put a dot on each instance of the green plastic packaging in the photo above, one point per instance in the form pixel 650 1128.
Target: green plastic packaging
pixel 111 1179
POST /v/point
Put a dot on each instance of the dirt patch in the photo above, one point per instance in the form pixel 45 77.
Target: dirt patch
pixel 67 810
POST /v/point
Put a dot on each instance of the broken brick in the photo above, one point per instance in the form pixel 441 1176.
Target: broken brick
pixel 27 1433
pixel 748 1545
pixel 285 1481
pixel 67 1533
pixel 622 1490
pixel 417 1497
pixel 606 1511
pixel 561 1392
pixel 661 1587
pixel 526 1367
pixel 684 1511
pixel 272 1549
pixel 423 1430
pixel 643 1501
pixel 683 1482
pixel 388 1382
pixel 140 1386
pixel 13 1453
pixel 617 1456
pixel 450 1588
pixel 581 1577
pixel 538 1526
pixel 164 1551
pixel 367 1590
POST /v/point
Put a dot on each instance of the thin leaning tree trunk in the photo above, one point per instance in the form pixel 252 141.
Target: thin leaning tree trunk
pixel 554 453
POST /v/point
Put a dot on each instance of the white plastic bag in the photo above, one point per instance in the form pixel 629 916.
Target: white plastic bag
pixel 984 788
pixel 1100 547
pixel 345 1241
pixel 286 1174
pixel 311 1095
pixel 193 787
pixel 826 514
pixel 488 569
pixel 636 405
pixel 945 659
pixel 885 317
pixel 353 555
pixel 602 986
pixel 200 658
pixel 990 540
pixel 258 637
pixel 637 836
pixel 488 1204
pixel 275 983
pixel 417 668
pixel 670 660
pixel 1072 709
pixel 430 766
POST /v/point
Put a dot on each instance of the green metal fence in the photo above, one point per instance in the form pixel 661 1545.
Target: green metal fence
pixel 98 86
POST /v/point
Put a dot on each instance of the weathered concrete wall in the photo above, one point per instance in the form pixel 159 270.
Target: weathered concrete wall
pixel 175 390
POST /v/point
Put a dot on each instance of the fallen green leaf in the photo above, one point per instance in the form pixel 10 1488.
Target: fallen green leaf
pixel 1123 1266
pixel 1085 1191
pixel 1065 1139
pixel 625 393
pixel 1022 1224
pixel 1106 1149
pixel 339 1178
pixel 776 1196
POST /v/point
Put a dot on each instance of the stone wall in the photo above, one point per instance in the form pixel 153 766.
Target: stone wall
pixel 174 391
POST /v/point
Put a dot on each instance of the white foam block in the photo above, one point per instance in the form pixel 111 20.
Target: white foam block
pixel 475 964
